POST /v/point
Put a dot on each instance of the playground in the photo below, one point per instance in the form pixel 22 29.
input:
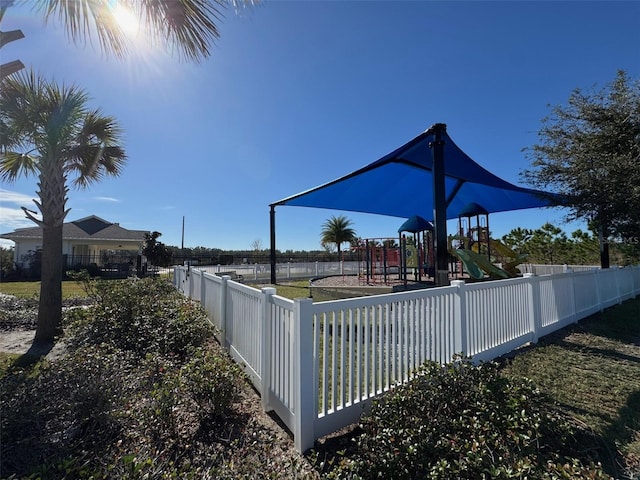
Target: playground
pixel 445 184
pixel 408 261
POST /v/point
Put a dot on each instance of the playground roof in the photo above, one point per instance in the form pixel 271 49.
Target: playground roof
pixel 415 224
pixel 400 184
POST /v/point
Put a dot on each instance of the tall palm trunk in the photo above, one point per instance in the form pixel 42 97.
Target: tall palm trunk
pixel 50 309
pixel 52 187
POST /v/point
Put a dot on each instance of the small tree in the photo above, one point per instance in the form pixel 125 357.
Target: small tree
pixel 337 230
pixel 48 131
pixel 157 253
pixel 589 150
pixel 7 265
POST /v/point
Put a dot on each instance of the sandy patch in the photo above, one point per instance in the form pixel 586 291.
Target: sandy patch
pixel 19 342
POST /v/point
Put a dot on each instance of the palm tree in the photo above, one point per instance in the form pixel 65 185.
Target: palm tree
pixel 186 27
pixel 337 230
pixel 47 130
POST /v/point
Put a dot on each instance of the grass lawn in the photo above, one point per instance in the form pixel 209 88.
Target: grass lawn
pixel 70 289
pixel 592 370
pixel 291 290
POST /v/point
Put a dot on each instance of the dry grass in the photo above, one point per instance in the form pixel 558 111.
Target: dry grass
pixel 592 370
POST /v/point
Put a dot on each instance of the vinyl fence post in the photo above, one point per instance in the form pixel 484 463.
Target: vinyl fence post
pixel 304 402
pixel 203 290
pixel 223 310
pixel 460 344
pixel 534 306
pixel 618 281
pixel 266 353
pixel 190 277
pixel 574 314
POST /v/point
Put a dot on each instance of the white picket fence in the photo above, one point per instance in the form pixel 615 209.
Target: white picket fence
pixel 319 365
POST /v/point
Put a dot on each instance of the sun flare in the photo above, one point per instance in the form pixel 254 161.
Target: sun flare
pixel 126 19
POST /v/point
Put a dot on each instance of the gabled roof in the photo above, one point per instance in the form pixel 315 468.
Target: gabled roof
pixel 400 184
pixel 89 228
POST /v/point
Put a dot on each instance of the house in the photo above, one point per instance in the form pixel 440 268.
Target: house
pixel 89 240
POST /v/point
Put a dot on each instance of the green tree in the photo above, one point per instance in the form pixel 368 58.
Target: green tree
pixel 7 265
pixel 337 230
pixel 518 239
pixel 589 150
pixel 585 249
pixel 548 245
pixel 48 131
pixel 157 253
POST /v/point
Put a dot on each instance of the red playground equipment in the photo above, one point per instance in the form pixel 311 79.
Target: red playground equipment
pixel 378 261
pixel 389 261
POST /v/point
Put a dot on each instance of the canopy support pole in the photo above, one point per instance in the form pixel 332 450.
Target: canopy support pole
pixel 272 229
pixel 439 208
pixel 603 232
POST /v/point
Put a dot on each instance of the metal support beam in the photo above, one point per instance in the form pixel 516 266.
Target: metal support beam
pixel 439 207
pixel 272 227
pixel 603 233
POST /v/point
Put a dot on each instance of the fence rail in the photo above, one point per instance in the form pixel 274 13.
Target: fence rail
pixel 319 365
pixel 261 272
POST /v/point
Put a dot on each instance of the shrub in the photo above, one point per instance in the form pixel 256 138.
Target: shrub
pixel 141 316
pixel 466 421
pixel 64 407
pixel 180 402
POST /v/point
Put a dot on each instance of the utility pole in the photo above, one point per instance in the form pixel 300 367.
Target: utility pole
pixel 182 245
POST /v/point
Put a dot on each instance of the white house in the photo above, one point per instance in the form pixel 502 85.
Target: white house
pixel 84 241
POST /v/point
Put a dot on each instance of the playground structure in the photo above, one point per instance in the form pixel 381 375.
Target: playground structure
pixel 479 254
pixel 388 261
pixel 379 261
pixel 410 257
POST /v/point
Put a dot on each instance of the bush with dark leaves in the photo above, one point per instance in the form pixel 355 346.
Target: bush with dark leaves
pixel 141 316
pixel 466 421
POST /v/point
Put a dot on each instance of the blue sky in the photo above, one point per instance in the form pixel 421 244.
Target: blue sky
pixel 298 93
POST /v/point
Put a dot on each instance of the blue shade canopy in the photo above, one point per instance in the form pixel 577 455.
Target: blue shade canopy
pixel 473 209
pixel 400 184
pixel 416 224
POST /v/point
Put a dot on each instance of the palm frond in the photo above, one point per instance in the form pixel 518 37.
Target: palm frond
pixel 85 18
pixel 13 165
pixel 96 152
pixel 185 27
pixel 188 26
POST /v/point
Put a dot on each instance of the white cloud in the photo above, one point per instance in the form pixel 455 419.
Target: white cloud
pixel 12 218
pixel 107 199
pixel 16 198
pixel 11 215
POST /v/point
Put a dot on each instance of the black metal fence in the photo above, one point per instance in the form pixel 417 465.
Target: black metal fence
pixel 107 266
pixel 250 258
